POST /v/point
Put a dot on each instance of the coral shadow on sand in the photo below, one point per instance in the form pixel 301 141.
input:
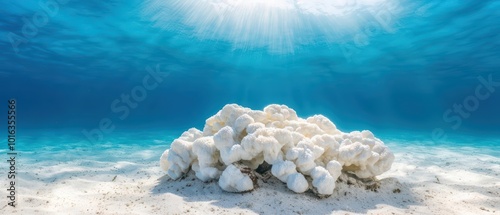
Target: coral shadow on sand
pixel 272 197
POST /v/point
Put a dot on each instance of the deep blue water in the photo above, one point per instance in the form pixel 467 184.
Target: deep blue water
pixel 390 66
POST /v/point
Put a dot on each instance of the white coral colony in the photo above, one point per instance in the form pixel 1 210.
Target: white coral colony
pixel 296 148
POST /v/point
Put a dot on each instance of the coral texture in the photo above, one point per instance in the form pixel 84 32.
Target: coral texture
pixel 238 139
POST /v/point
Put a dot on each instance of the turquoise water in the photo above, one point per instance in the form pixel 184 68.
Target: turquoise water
pixel 397 68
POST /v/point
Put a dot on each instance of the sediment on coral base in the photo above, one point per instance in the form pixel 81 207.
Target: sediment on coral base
pixel 305 154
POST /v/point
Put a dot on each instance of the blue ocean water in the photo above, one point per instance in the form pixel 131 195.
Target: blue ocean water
pixel 148 70
pixel 102 88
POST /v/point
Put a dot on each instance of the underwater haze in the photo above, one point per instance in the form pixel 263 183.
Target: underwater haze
pixel 395 67
pixel 96 95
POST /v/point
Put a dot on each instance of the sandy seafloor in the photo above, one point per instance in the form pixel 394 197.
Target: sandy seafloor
pixel 64 174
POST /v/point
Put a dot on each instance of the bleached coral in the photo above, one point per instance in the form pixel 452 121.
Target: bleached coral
pixel 323 181
pixel 233 179
pixel 296 148
pixel 283 169
pixel 179 157
pixel 208 157
pixel 297 183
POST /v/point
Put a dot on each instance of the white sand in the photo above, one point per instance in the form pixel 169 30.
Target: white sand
pixel 80 181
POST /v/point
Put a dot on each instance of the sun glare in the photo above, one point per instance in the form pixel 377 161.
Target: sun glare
pixel 276 25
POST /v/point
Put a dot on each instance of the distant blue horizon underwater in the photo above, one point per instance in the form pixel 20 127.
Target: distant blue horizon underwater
pixel 417 71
